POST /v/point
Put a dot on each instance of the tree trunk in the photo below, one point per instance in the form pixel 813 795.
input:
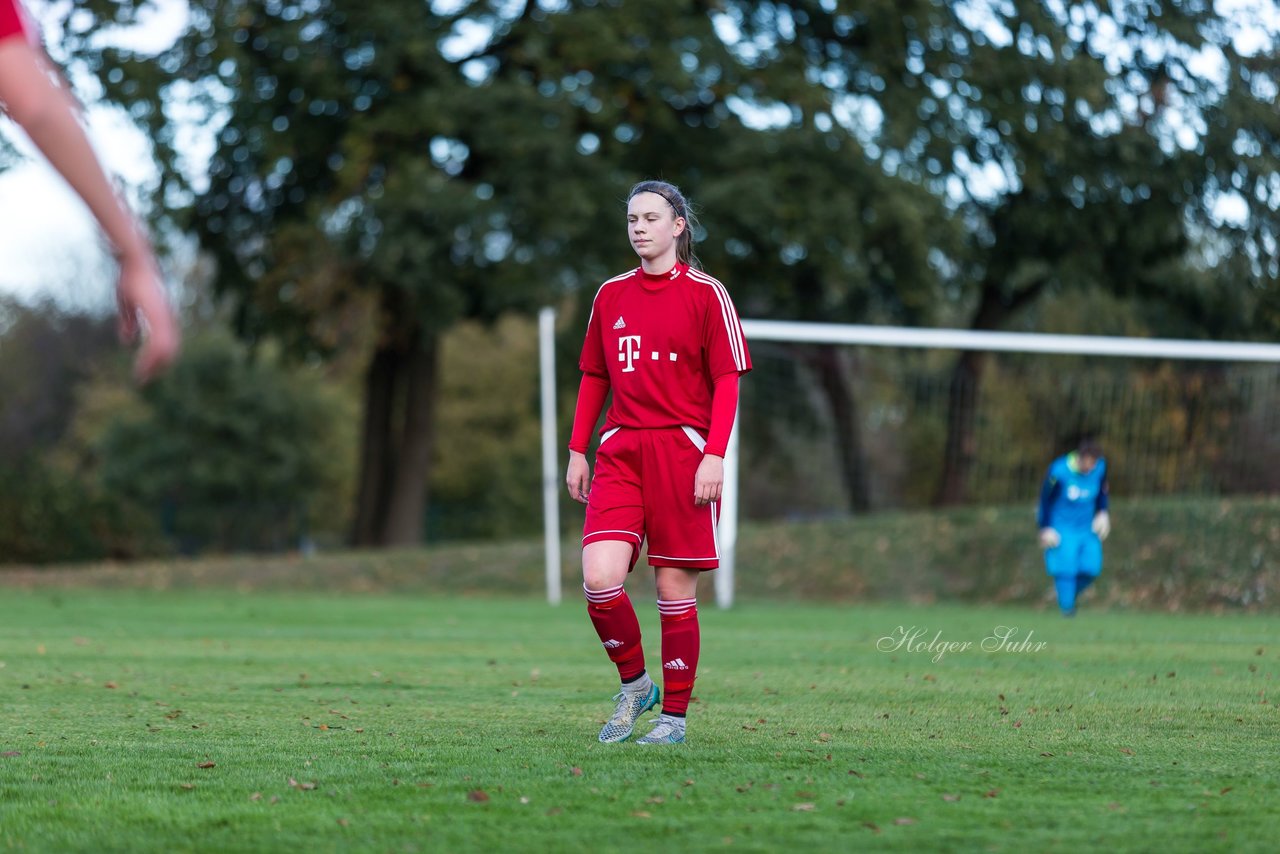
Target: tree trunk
pixel 407 499
pixel 994 308
pixel 834 381
pixel 397 439
pixel 375 447
pixel 962 420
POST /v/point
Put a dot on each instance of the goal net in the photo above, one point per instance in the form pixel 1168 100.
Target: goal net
pixel 831 429
pixel 840 421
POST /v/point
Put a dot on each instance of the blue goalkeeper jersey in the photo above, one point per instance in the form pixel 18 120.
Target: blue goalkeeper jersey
pixel 1069 499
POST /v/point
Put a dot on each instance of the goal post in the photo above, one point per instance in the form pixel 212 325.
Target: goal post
pixel 952 341
pixel 550 457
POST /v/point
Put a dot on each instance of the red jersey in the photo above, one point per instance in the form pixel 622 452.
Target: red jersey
pixel 14 21
pixel 662 342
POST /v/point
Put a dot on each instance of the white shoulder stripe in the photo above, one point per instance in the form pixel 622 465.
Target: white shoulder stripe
pixel 729 315
pixel 732 325
pixel 605 284
pixel 621 276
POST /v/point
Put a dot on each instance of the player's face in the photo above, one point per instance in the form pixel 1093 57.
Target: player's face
pixel 1086 462
pixel 652 225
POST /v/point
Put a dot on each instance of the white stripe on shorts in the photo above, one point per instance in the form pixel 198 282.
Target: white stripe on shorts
pixel 698 442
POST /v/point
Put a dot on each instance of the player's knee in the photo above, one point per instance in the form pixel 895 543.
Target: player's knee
pixel 676 583
pixel 605 564
pixel 601 580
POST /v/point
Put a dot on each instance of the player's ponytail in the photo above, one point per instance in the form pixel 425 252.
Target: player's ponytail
pixel 682 209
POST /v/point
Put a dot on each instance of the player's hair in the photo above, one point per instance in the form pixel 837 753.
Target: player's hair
pixel 1090 447
pixel 682 209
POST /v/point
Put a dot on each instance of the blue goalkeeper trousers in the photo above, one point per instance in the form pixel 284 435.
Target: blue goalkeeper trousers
pixel 1075 563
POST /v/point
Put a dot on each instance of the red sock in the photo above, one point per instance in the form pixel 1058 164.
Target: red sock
pixel 615 620
pixel 680 645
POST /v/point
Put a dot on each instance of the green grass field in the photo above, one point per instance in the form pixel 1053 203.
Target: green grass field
pixel 216 721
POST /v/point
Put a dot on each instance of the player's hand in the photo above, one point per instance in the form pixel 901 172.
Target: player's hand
pixel 1049 538
pixel 578 477
pixel 144 310
pixel 1102 524
pixel 708 483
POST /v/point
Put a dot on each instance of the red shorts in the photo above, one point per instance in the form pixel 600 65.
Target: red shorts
pixel 643 487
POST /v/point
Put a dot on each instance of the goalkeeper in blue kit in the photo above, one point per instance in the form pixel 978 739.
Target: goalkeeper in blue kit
pixel 1074 521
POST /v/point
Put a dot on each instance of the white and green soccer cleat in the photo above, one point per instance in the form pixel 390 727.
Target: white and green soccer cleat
pixel 631 705
pixel 666 730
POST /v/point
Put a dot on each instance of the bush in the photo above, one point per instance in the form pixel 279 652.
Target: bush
pixel 230 452
pixel 45 518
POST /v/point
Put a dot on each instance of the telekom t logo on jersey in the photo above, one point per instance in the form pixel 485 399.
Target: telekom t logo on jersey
pixel 629 352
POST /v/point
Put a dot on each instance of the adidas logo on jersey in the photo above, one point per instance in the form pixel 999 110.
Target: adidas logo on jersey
pixel 675 664
pixel 612 644
pixel 620 324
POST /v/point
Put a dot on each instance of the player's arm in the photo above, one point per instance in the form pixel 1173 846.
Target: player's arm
pixel 593 390
pixel 1101 515
pixel 1049 536
pixel 33 97
pixel 592 393
pixel 708 482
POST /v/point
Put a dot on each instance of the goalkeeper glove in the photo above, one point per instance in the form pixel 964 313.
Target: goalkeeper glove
pixel 1102 524
pixel 1049 538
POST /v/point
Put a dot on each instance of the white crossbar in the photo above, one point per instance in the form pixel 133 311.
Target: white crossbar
pixel 1009 342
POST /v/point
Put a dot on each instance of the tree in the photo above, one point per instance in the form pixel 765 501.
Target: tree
pixel 843 240
pixel 371 165
pixel 1081 144
pixel 384 170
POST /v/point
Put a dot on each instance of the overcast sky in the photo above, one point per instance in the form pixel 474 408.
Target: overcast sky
pixel 49 246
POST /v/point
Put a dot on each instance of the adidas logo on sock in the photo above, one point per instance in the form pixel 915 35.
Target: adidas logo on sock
pixel 675 664
pixel 620 324
pixel 612 644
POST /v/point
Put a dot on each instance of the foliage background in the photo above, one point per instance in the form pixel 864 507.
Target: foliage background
pixel 394 188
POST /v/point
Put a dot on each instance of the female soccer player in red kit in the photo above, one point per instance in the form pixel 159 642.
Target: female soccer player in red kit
pixel 666 339
pixel 32 96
